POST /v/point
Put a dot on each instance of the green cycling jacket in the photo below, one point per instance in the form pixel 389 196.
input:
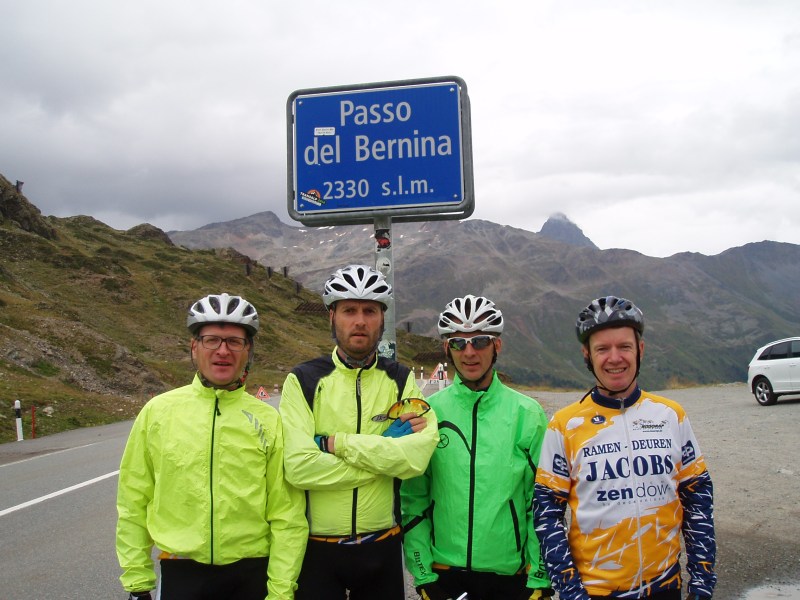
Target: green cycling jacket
pixel 472 509
pixel 350 492
pixel 202 478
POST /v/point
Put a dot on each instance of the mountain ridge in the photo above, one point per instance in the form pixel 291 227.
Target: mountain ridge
pixel 705 315
pixel 91 318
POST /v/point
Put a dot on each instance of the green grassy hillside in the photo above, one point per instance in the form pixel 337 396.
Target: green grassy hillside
pixel 92 320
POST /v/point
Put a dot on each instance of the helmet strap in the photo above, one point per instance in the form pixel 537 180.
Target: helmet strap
pixel 469 383
pixel 238 380
pixel 350 361
pixel 590 366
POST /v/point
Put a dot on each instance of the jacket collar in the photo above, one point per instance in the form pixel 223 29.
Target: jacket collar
pixel 208 392
pixel 463 390
pixel 618 403
pixel 340 364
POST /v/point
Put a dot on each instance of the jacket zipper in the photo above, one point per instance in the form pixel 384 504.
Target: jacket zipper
pixel 354 510
pixel 211 474
pixel 472 454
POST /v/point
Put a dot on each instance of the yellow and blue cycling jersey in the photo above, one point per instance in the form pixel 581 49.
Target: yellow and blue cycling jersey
pixel 633 476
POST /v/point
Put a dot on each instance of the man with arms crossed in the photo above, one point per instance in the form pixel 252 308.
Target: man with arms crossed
pixel 354 422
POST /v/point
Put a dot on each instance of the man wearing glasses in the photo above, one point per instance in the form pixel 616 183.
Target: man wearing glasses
pixel 467 521
pixel 202 479
pixel 354 424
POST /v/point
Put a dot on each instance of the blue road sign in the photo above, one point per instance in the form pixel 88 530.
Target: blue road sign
pixel 397 148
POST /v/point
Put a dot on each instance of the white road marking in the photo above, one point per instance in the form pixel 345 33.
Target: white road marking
pixel 71 488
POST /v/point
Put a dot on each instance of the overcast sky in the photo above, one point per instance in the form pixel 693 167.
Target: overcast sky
pixel 656 126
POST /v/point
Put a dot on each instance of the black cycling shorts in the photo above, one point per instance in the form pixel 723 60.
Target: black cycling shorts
pixel 184 579
pixel 371 571
pixel 481 585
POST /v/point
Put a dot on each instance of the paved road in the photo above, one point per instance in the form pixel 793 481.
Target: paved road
pixel 57 515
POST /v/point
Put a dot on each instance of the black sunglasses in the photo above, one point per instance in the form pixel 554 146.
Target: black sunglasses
pixel 479 342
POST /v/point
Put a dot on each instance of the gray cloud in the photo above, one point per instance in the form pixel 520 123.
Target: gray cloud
pixel 660 128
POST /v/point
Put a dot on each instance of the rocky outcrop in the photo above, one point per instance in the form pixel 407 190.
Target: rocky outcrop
pixel 16 209
pixel 150 232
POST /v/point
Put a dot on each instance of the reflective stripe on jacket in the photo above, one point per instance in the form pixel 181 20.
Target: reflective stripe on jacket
pixel 202 477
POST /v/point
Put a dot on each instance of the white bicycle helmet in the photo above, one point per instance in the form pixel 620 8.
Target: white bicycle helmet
pixel 468 314
pixel 222 308
pixel 356 282
pixel 607 312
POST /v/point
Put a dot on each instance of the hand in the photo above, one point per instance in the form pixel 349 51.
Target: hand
pixel 399 428
pixel 140 596
pixel 433 591
pixel 418 423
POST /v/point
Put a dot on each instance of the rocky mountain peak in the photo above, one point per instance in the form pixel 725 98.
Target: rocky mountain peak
pixel 560 229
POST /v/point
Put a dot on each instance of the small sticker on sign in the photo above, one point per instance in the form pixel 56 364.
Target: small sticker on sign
pixel 324 130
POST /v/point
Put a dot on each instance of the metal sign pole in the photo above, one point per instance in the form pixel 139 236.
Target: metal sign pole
pixel 383 263
pixel 380 152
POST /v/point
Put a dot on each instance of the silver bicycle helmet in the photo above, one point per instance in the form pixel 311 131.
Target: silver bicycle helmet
pixel 468 314
pixel 356 282
pixel 607 312
pixel 222 308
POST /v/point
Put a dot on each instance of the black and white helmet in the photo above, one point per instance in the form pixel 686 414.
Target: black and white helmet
pixel 468 314
pixel 356 282
pixel 607 312
pixel 222 308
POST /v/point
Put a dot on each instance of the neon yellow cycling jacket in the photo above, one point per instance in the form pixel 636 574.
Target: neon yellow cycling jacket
pixel 351 492
pixel 202 478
